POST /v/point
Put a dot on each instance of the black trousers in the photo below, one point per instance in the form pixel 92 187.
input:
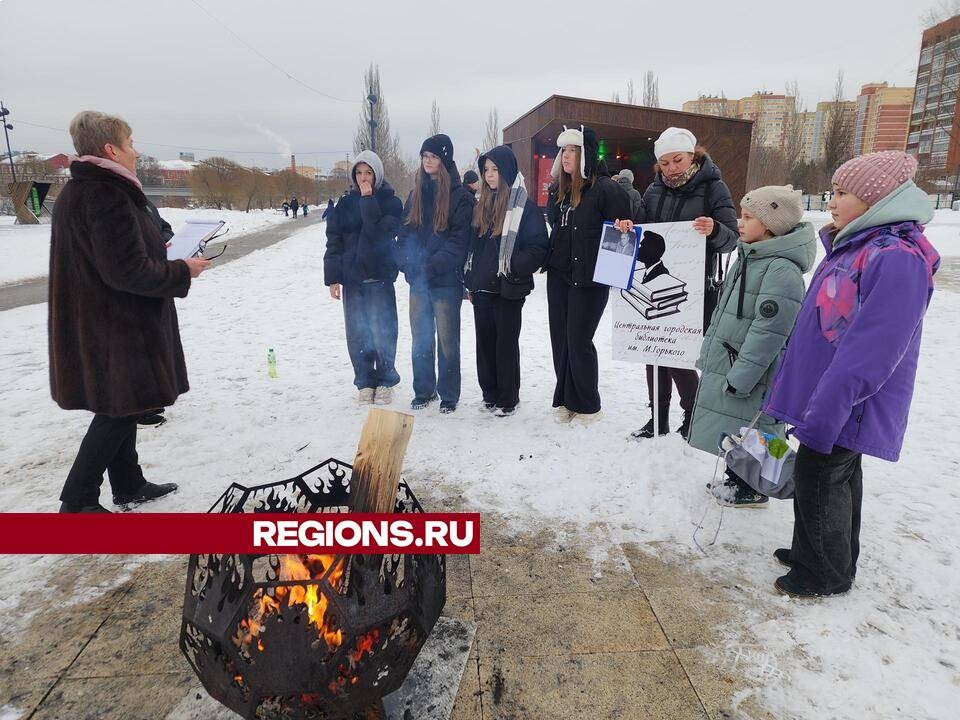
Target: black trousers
pixel 110 444
pixel 574 313
pixel 497 321
pixel 826 518
pixel 687 382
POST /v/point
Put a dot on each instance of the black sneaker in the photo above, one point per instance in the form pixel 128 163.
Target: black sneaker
pixel 647 430
pixel 787 585
pixel 419 403
pixel 684 428
pixel 782 556
pixel 148 491
pixel 505 412
pixel 97 508
pixel 447 407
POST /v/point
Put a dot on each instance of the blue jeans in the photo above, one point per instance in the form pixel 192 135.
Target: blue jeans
pixel 435 327
pixel 370 315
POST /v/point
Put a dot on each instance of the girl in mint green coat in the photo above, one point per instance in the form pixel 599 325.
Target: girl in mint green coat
pixel 751 324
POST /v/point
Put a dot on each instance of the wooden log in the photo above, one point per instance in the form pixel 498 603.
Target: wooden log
pixel 379 460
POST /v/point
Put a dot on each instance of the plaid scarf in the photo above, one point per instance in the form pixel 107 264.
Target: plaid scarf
pixel 511 223
pixel 682 179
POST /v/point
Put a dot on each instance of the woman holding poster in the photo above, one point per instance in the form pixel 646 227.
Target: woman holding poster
pixel 687 186
pixel 582 198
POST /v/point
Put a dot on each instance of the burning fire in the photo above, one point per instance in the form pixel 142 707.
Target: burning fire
pixel 293 567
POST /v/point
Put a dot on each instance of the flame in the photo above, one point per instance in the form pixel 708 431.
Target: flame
pixel 345 674
pixel 293 567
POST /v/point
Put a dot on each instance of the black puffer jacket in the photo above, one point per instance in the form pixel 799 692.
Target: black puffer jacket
pixel 437 258
pixel 361 234
pixel 529 248
pixel 603 201
pixel 705 194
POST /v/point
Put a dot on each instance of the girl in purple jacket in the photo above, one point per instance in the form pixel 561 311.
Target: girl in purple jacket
pixel 846 380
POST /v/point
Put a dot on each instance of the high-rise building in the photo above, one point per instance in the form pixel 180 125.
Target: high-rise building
pixel 934 121
pixel 712 105
pixel 771 117
pixel 805 124
pixel 770 113
pixel 883 118
pixel 822 125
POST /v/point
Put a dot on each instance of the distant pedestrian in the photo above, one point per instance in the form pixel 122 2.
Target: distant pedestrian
pixel 286 208
pixel 294 205
pixel 304 208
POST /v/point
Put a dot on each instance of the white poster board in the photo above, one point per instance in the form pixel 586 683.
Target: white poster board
pixel 659 319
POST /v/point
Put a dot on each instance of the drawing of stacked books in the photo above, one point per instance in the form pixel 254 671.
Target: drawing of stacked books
pixel 658 297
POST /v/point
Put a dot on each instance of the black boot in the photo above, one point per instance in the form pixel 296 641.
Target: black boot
pixel 153 417
pixel 684 428
pixel 147 491
pixel 68 508
pixel 647 430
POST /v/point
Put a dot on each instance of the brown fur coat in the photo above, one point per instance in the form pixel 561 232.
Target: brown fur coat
pixel 114 341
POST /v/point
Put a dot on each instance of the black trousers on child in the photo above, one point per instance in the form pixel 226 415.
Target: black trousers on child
pixel 826 519
pixel 687 382
pixel 574 313
pixel 497 320
pixel 110 444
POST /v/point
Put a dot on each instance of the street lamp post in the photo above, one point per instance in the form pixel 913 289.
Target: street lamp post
pixel 7 126
pixel 373 123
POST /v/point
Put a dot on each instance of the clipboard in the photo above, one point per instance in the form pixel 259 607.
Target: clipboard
pixel 192 239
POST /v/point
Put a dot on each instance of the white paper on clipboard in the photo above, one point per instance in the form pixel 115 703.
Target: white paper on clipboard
pixel 192 237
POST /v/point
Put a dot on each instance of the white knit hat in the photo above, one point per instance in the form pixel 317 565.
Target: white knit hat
pixel 673 140
pixel 570 137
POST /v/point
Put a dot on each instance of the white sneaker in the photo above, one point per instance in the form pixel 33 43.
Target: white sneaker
pixel 383 396
pixel 585 418
pixel 366 396
pixel 562 415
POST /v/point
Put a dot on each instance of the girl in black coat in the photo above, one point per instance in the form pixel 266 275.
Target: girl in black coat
pixel 688 186
pixel 360 265
pixel 508 244
pixel 583 198
pixel 433 241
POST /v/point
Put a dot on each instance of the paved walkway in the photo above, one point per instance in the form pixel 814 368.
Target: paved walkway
pixel 558 636
pixel 30 292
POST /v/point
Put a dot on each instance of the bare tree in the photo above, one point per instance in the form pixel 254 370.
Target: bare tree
pixel 794 138
pixel 395 167
pixel 434 119
pixel 215 182
pixel 651 89
pixel 838 130
pixel 943 10
pixel 491 136
pixel 148 170
pixel 631 93
pixel 615 97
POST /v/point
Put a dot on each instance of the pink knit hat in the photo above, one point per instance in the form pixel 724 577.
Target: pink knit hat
pixel 872 177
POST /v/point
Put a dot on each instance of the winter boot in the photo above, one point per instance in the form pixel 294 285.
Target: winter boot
pixel 147 491
pixel 153 417
pixel 684 428
pixel 505 412
pixel 447 407
pixel 782 556
pixel 585 419
pixel 68 508
pixel 647 430
pixel 383 395
pixel 736 493
pixel 366 396
pixel 789 585
pixel 487 406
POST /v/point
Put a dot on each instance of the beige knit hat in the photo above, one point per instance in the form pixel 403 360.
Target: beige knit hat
pixel 874 176
pixel 778 207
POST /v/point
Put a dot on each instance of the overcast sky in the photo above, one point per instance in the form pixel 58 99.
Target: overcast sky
pixel 182 81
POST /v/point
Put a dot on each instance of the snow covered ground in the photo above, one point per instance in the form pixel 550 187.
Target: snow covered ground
pixel 891 648
pixel 25 249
